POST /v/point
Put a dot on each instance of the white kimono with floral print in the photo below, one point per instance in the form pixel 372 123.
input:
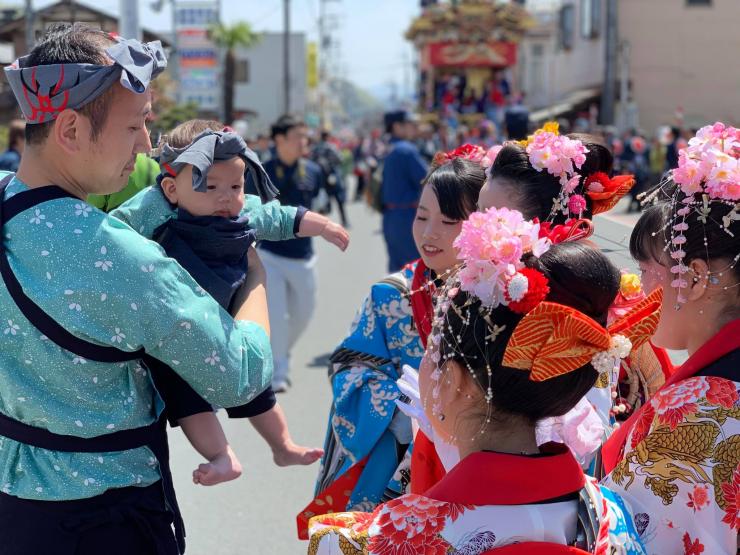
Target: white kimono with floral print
pixel 680 472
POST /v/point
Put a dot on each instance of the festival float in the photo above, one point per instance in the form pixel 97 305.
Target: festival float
pixel 467 52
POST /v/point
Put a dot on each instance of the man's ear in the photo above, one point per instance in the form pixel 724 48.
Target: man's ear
pixel 169 188
pixel 68 129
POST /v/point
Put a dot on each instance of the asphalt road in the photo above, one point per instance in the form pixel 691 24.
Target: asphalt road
pixel 256 513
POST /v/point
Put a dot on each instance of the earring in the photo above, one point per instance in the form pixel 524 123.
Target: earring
pixel 441 417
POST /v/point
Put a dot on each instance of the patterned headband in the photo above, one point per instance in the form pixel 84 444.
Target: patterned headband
pixel 210 147
pixel 43 92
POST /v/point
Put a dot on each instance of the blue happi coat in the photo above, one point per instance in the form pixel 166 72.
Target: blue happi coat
pixel 364 420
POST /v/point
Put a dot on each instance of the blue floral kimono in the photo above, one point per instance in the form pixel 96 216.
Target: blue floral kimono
pixel 364 421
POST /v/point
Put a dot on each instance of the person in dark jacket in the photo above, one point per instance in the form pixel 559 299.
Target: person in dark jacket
pixel 403 171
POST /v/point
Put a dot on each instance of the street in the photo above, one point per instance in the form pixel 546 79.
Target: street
pixel 256 513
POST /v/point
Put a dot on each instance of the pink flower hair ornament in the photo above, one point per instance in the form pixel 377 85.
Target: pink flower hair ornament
pixel 561 157
pixel 491 245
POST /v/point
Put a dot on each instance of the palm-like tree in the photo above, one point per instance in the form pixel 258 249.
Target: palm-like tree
pixel 231 37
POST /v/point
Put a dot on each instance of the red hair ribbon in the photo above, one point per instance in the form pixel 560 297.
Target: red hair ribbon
pixel 572 230
pixel 606 192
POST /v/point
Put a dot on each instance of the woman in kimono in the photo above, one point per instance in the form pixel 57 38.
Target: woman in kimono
pixel 368 439
pixel 565 192
pixel 677 459
pixel 519 335
pixel 86 303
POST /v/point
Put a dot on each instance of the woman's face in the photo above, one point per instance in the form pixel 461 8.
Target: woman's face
pixel 672 331
pixel 495 195
pixel 434 233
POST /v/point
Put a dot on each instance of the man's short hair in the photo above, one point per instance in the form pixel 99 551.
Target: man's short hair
pixel 284 124
pixel 72 44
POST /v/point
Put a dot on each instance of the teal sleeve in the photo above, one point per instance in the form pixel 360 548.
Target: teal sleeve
pixel 145 211
pixel 271 221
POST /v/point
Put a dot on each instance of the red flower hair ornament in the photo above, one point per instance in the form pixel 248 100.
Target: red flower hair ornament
pixel 605 192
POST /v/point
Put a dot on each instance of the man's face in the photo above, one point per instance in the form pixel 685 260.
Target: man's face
pixel 406 130
pixel 293 144
pixel 103 165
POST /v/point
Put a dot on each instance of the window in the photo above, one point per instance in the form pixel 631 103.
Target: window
pixel 536 77
pixel 590 18
pixel 567 26
pixel 241 71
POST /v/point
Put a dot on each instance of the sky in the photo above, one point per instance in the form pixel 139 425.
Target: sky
pixel 373 51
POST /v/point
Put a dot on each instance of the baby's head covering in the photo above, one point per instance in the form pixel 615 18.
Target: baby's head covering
pixel 210 147
pixel 43 92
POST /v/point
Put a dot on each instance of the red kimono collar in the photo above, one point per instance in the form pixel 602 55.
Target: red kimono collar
pixel 724 342
pixel 486 478
pixel 421 301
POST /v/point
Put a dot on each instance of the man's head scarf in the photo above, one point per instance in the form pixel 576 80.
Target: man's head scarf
pixel 43 92
pixel 216 146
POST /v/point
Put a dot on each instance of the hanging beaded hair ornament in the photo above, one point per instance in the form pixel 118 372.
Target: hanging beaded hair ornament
pixel 707 176
pixel 551 339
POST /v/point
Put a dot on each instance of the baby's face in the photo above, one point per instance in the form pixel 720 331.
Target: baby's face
pixel 225 193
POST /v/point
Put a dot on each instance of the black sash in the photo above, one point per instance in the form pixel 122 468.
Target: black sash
pixel 153 436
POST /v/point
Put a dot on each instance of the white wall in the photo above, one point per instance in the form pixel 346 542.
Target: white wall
pixel 683 56
pixel 559 72
pixel 263 93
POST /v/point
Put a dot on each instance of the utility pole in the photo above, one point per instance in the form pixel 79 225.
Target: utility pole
pixel 610 70
pixel 286 56
pixel 128 19
pixel 328 60
pixel 30 38
pixel 322 64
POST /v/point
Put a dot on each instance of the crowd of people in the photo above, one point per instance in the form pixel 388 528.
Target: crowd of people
pixel 504 389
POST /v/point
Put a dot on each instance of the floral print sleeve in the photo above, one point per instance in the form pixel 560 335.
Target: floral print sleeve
pixel 681 468
pixel 145 211
pixel 132 297
pixel 107 285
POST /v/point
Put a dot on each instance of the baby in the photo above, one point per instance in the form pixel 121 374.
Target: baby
pixel 200 215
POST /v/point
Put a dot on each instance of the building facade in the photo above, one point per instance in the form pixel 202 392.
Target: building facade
pixel 561 58
pixel 259 94
pixel 682 60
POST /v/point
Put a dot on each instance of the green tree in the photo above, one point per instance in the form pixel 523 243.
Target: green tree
pixel 231 37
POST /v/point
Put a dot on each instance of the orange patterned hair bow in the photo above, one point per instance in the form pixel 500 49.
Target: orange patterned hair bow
pixel 554 339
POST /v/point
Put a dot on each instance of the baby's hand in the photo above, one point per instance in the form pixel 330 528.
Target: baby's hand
pixel 336 235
